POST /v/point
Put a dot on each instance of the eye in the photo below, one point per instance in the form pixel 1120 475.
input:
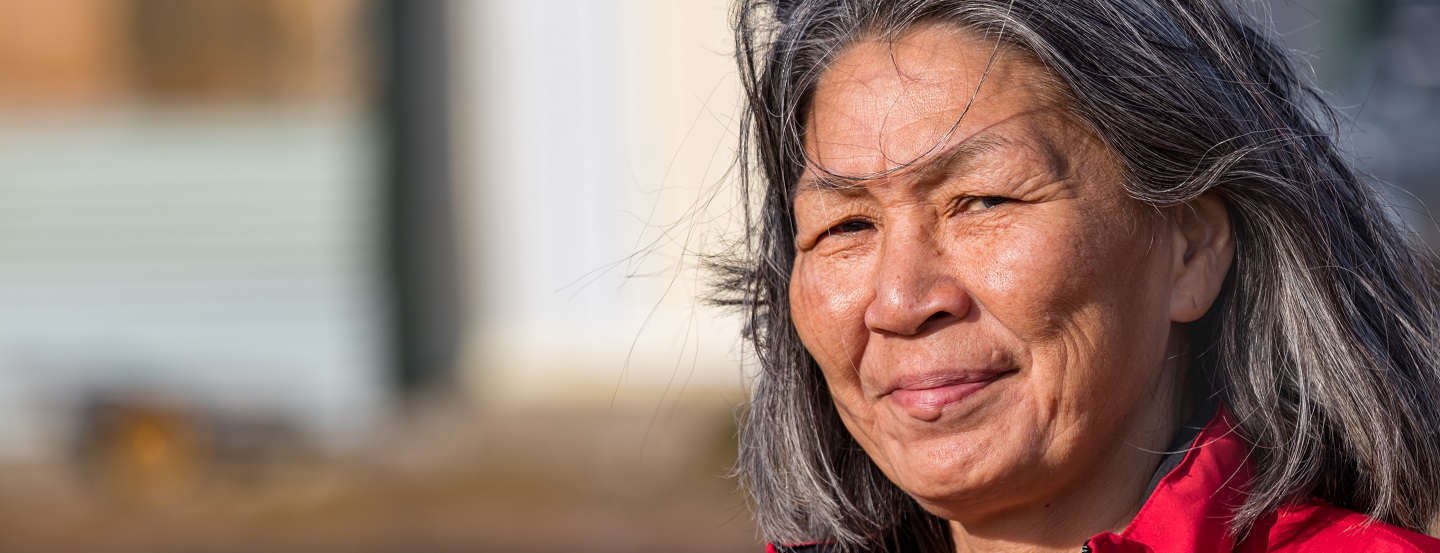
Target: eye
pixel 991 201
pixel 851 226
pixel 980 203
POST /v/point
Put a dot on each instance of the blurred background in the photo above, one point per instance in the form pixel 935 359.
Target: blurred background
pixel 420 275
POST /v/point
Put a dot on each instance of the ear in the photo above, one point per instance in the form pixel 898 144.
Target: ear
pixel 1204 250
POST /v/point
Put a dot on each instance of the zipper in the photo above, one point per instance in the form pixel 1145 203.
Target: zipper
pixel 1085 548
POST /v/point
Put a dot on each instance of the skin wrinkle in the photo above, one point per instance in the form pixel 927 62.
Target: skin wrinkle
pixel 1031 304
pixel 959 159
pixel 997 51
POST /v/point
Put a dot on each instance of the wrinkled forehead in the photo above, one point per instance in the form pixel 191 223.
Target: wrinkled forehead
pixel 887 103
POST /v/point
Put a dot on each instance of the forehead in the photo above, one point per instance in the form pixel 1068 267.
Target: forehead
pixel 884 103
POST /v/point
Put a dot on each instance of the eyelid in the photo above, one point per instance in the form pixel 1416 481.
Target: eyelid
pixel 964 204
pixel 810 240
pixel 851 220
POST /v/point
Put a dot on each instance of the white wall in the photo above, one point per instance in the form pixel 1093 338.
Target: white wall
pixel 591 133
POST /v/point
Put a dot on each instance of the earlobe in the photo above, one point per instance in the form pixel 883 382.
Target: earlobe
pixel 1205 247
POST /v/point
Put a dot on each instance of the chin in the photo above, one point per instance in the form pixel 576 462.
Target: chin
pixel 960 473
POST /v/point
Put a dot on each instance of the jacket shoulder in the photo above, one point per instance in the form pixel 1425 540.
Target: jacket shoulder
pixel 1320 527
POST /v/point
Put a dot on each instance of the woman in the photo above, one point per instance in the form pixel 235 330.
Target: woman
pixel 1049 275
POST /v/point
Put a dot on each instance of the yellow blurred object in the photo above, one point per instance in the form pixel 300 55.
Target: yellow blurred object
pixel 145 454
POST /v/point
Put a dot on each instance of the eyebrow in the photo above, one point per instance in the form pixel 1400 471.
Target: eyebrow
pixel 955 159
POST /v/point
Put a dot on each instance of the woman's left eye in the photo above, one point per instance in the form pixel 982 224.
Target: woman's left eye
pixel 981 203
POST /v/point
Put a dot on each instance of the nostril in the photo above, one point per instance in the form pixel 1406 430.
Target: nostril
pixel 937 316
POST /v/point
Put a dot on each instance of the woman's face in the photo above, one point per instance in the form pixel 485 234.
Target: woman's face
pixel 992 320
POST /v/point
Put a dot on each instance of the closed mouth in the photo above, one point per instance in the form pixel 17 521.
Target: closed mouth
pixel 924 396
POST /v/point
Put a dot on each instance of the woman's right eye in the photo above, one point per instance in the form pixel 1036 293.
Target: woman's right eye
pixel 851 226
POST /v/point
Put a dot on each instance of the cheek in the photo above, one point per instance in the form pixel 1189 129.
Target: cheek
pixel 1086 298
pixel 827 304
pixel 1033 278
pixel 1052 272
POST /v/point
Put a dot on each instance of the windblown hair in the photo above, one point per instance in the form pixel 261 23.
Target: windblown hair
pixel 1322 344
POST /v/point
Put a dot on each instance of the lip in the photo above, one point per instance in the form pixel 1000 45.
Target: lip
pixel 924 396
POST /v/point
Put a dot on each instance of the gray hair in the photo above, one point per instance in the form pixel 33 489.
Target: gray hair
pixel 1322 343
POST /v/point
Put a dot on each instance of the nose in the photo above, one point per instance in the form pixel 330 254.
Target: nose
pixel 916 289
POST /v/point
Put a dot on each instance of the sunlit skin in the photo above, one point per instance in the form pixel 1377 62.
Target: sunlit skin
pixel 997 321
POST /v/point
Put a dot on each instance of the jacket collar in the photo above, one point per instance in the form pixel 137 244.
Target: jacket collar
pixel 1190 507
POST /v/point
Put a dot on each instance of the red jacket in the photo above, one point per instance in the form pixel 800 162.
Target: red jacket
pixel 1189 510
